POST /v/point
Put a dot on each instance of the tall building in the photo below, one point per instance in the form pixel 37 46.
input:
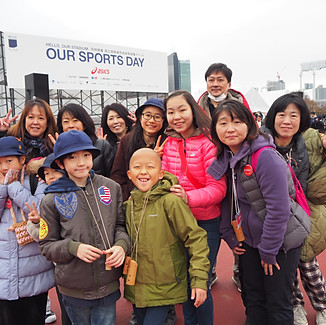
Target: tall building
pixel 178 73
pixel 184 75
pixel 173 72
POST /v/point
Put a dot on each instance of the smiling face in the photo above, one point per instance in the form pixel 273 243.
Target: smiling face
pixel 11 162
pixel 217 84
pixel 77 165
pixel 70 122
pixel 36 122
pixel 116 124
pixel 151 127
pixel 231 132
pixel 287 124
pixel 145 169
pixel 180 116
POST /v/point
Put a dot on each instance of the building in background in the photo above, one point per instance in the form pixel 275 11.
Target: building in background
pixel 178 73
pixel 184 75
pixel 173 72
pixel 275 85
pixel 320 94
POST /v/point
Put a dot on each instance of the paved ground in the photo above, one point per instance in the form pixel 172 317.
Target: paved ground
pixel 227 301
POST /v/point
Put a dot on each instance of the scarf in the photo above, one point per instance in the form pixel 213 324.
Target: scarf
pixel 35 147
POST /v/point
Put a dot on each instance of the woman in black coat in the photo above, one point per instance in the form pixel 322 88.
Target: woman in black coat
pixel 74 117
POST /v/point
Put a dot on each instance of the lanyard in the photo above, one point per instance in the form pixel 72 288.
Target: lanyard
pixel 101 218
pixel 134 247
pixel 234 201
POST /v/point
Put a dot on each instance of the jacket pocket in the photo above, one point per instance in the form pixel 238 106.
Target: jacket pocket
pixel 164 266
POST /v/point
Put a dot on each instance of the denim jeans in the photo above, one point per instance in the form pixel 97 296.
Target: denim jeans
pixel 151 315
pixel 97 315
pixel 204 314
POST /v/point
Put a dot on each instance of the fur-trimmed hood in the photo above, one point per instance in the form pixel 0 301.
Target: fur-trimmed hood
pixel 34 164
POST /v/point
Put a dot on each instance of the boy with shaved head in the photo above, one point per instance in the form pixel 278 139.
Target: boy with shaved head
pixel 161 225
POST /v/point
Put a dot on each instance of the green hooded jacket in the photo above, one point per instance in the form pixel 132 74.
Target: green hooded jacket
pixel 167 228
pixel 315 243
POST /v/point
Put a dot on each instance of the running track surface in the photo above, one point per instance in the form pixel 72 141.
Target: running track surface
pixel 228 307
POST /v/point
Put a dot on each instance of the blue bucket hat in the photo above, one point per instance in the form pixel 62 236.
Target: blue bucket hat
pixel 72 141
pixel 48 164
pixel 11 146
pixel 157 102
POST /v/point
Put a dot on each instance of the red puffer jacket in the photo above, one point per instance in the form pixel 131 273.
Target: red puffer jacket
pixel 204 202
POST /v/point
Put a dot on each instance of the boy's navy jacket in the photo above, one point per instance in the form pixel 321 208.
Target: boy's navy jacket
pixel 64 184
pixel 24 272
pixel 271 175
pixel 67 222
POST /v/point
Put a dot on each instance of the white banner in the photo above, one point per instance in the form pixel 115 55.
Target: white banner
pixel 85 66
pixel 315 65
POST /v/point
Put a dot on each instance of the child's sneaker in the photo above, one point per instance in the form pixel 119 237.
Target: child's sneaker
pixel 132 320
pixel 236 281
pixel 300 315
pixel 321 317
pixel 213 278
pixel 171 317
pixel 50 317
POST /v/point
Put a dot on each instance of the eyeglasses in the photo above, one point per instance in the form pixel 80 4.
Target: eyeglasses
pixel 157 118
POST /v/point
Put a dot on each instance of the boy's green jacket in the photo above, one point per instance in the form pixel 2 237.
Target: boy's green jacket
pixel 167 228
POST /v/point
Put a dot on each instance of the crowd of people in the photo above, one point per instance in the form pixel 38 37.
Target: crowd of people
pixel 149 195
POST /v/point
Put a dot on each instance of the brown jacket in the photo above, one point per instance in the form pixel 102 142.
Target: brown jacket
pixel 68 222
pixel 121 165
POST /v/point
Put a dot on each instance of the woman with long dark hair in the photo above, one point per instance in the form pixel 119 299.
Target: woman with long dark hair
pixel 34 125
pixel 75 117
pixel 115 123
pixel 187 154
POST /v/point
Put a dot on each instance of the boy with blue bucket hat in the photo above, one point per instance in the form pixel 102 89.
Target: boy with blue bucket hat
pixel 83 231
pixel 25 275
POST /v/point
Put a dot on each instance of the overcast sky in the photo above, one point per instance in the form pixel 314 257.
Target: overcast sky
pixel 257 39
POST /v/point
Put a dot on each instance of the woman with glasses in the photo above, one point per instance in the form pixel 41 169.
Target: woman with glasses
pixel 150 124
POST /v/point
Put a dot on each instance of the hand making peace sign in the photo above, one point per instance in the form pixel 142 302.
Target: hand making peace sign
pixel 6 121
pixel 159 148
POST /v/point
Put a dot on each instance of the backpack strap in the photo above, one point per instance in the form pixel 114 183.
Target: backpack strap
pixel 250 183
pixel 253 193
pixel 298 226
pixel 255 155
pixel 33 181
pixel 293 182
pixel 191 178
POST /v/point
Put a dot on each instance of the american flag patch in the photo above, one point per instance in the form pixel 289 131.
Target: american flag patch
pixel 105 195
